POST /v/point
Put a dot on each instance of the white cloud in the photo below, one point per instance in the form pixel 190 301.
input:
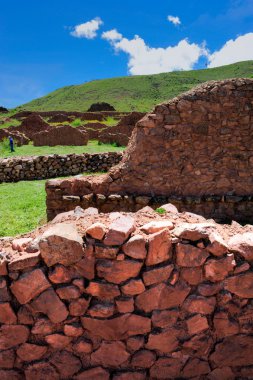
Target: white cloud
pixel 88 29
pixel 174 20
pixel 240 49
pixel 112 35
pixel 147 60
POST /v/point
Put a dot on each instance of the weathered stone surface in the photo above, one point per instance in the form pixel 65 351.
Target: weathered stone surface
pixel 106 252
pixel 24 261
pixel 83 347
pixel 41 371
pixel 194 231
pixel 73 330
pixel 242 244
pixel 49 303
pixel 241 285
pixel 130 375
pixel 118 328
pixel 125 304
pixel 135 247
pixel 103 290
pixel 78 307
pixel 20 244
pixel 156 226
pixel 86 267
pixel 233 351
pixel 224 325
pixel 70 292
pixel 195 367
pixel 135 343
pixel 61 244
pixel 143 359
pixel 7 315
pixel 218 270
pixel 133 287
pixel 193 276
pixel 197 324
pixel 101 310
pixel 200 305
pixel 217 246
pixel 208 290
pixel 166 368
pixel 96 231
pixel 199 345
pixel 4 292
pixel 7 375
pixel 118 271
pixel 110 354
pixel 12 335
pixel 157 275
pixel 190 256
pixel 169 207
pixel 164 318
pixel 30 352
pixel 66 363
pixel 7 359
pixel 29 286
pixel 162 297
pixel 59 275
pixel 119 230
pixel 164 342
pixel 58 341
pixel 224 373
pixel 159 247
pixel 97 373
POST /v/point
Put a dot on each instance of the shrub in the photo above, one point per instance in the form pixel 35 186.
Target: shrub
pixel 160 210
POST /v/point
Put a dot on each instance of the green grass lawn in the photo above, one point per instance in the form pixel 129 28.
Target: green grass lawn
pixel 22 207
pixel 30 150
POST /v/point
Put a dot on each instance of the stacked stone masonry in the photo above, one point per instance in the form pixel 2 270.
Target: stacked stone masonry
pixel 39 167
pixel 127 297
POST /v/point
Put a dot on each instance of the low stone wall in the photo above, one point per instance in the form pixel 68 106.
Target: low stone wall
pixel 51 166
pixel 119 298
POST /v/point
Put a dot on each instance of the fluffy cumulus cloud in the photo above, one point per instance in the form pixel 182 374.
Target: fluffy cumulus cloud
pixel 148 60
pixel 240 49
pixel 88 29
pixel 174 20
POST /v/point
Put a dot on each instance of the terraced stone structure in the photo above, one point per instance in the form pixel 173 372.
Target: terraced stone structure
pixel 194 148
pixel 127 297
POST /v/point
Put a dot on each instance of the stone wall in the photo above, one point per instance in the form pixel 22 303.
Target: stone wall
pixel 39 167
pixel 127 297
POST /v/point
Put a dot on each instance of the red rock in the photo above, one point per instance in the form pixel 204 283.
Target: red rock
pixel 224 373
pixel 135 247
pixel 242 268
pixel 20 244
pixel 50 304
pixel 29 285
pixel 208 290
pixel 12 335
pixel 110 354
pixel 194 231
pixel 43 326
pixel 61 244
pixel 242 244
pixel 218 270
pixel 224 326
pixel 30 352
pixel 103 290
pixel 4 292
pixel 96 231
pixel 174 278
pixel 217 246
pixel 79 283
pixel 199 346
pixel 101 310
pixel 200 305
pixel 66 363
pixel 125 305
pixel 135 343
pixel 169 207
pixel 83 347
pixel 165 318
pixel 68 292
pixel 59 275
pixel 197 324
pixel 162 297
pixel 25 316
pixel 195 367
pixel 193 276
pixel 97 373
pixel 129 376
pixel 78 307
pixel 118 271
pixel 41 371
pixel 233 351
pixel 7 314
pixel 7 359
pixel 118 328
pixel 164 342
pixel 143 359
pixel 159 247
pixel 156 226
pixel 241 285
pixel 190 256
pixel 73 330
pixel 10 375
pixel 133 287
pixel 157 275
pixel 24 261
pixel 166 368
pixel 58 341
pixel 119 230
pixel 86 267
pixel 3 267
pixel 105 252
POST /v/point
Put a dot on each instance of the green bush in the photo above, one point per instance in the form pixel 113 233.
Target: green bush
pixel 76 123
pixel 160 210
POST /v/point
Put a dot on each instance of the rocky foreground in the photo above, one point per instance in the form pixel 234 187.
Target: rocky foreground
pixel 127 296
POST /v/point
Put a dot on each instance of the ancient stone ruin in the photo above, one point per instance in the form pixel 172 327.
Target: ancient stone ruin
pixel 196 149
pixel 101 106
pixel 127 297
pixel 61 135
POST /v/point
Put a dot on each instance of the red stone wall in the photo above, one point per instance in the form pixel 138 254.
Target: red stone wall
pixel 121 298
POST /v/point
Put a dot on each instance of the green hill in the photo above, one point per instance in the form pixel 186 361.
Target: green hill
pixel 139 93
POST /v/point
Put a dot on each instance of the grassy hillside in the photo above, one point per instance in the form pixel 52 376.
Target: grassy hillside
pixel 138 93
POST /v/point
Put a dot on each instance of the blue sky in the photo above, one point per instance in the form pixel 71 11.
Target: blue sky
pixel 49 44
